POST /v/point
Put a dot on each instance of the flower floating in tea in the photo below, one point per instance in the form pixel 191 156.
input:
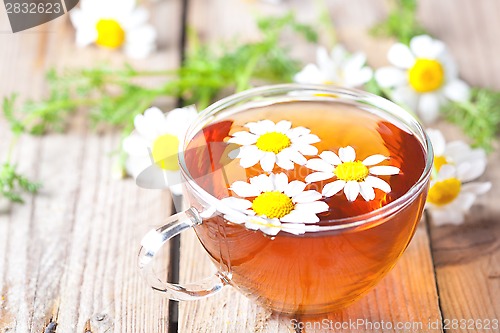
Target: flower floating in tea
pixel 450 197
pixel 424 77
pixel 277 205
pixel 353 176
pixel 270 144
pixel 114 24
pixel 339 68
pixel 152 148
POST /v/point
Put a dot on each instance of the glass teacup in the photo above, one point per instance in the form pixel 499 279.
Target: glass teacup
pixel 351 234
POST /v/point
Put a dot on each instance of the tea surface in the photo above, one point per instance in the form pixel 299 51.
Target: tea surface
pixel 316 272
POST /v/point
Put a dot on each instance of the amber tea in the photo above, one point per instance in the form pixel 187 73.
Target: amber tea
pixel 311 272
pixel 303 196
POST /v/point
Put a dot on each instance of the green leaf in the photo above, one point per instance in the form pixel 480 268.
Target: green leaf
pixel 478 117
pixel 401 23
pixel 13 184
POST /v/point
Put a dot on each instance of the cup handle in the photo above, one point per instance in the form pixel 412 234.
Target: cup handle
pixel 152 243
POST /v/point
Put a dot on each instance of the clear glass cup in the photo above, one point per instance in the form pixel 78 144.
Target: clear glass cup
pixel 323 270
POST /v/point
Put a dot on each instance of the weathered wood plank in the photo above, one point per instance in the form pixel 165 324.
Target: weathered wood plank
pixel 410 287
pixel 70 254
pixel 467 257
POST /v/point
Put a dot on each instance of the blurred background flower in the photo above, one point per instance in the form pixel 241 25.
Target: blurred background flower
pixel 152 148
pixel 339 68
pixel 423 77
pixel 114 24
pixel 451 197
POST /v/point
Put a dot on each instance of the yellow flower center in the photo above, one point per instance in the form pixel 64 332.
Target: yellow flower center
pixel 426 75
pixel 273 142
pixel 349 171
pixel 444 192
pixel 439 161
pixel 109 33
pixel 272 204
pixel 165 150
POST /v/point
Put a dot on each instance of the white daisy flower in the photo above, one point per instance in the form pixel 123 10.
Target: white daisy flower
pixel 277 204
pixel 114 24
pixel 457 153
pixel 424 77
pixel 353 176
pixel 155 142
pixel 270 144
pixel 449 198
pixel 339 68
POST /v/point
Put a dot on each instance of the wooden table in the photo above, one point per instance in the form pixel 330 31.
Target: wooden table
pixel 68 256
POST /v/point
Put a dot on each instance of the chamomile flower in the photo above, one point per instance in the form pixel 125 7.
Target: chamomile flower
pixel 449 198
pixel 277 204
pixel 339 68
pixel 457 153
pixel 424 77
pixel 155 143
pixel 270 144
pixel 353 176
pixel 114 24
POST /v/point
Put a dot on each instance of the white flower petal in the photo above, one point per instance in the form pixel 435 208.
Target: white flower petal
pixel 313 207
pixel 319 176
pixel 378 183
pixel 306 196
pixel 428 107
pixel 390 77
pixel 280 182
pixel 446 171
pixel 267 162
pixel 263 183
pixel 145 128
pixel 330 157
pixel 294 188
pixel 294 228
pixel 476 187
pixel 333 188
pixel 234 153
pixel 307 150
pixel 425 47
pixel 446 216
pixel 406 96
pixel 437 140
pixel 310 74
pixel 300 216
pixel 294 156
pixel 297 131
pixel 467 171
pixel 351 190
pixel 136 19
pixel 284 162
pixel 384 170
pixel 400 56
pixel 136 145
pixel 249 160
pixel 374 159
pixel 366 191
pixel 359 78
pixel 261 127
pixel 243 138
pixel 283 126
pixel 347 154
pixel 237 203
pixel 457 90
pixel 319 164
pixel 306 139
pixel 244 189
